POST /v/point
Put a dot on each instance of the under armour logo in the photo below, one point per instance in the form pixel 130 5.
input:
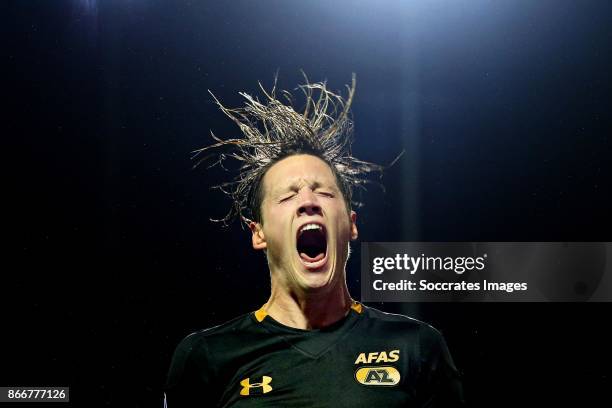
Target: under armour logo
pixel 249 388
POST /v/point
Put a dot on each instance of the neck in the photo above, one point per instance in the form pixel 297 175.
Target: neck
pixel 308 311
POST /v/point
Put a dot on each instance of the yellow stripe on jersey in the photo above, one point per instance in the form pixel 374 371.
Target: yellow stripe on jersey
pixel 260 314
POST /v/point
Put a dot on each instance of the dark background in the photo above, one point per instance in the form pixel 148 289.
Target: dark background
pixel 503 109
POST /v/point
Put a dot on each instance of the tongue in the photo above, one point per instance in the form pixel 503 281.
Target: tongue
pixel 309 259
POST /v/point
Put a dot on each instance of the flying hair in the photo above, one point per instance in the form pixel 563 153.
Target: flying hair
pixel 272 130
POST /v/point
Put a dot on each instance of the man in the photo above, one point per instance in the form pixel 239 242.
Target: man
pixel 311 344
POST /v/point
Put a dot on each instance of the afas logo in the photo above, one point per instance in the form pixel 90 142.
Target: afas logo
pixel 378 357
pixel 384 376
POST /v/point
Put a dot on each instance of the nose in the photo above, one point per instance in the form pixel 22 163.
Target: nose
pixel 309 204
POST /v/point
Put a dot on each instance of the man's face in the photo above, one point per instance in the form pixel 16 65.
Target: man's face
pixel 306 226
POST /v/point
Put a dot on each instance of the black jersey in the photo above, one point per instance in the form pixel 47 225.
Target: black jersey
pixel 367 359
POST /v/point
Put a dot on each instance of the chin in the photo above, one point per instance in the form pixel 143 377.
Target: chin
pixel 320 280
pixel 316 287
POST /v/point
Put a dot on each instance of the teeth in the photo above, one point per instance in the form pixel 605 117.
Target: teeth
pixel 310 227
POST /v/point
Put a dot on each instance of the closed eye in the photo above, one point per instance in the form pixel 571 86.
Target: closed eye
pixel 325 193
pixel 285 198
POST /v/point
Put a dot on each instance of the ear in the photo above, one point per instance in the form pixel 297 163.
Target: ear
pixel 354 232
pixel 258 238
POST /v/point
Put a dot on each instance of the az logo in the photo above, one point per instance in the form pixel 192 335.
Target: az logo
pixel 385 376
pixel 256 388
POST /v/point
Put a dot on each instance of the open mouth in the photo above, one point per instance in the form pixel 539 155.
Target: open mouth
pixel 312 245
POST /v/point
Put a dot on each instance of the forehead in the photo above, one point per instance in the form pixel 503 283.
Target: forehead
pixel 298 169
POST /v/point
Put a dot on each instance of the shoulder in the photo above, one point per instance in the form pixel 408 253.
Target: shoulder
pixel 426 342
pixel 201 351
pixel 412 330
pixel 240 323
pixel 196 345
pixel 198 342
pixel 398 321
